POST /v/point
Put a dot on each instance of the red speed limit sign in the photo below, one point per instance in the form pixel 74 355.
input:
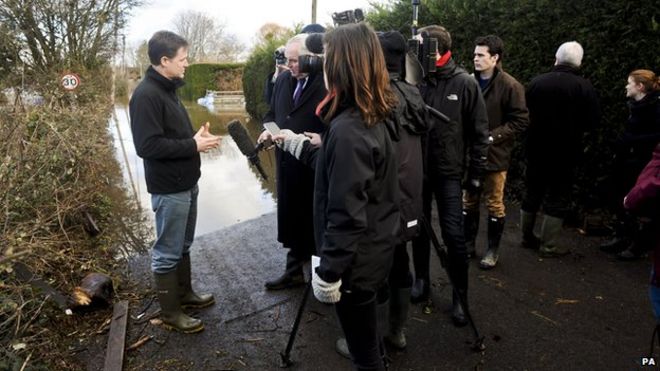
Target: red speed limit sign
pixel 70 81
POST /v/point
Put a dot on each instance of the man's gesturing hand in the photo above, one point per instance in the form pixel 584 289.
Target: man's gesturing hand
pixel 205 140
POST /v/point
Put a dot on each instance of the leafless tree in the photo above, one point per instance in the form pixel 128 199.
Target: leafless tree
pixel 66 32
pixel 208 39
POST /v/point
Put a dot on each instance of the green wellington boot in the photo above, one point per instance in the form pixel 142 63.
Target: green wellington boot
pixel 189 299
pixel 527 222
pixel 167 286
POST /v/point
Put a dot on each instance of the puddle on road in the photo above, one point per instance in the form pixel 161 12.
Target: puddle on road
pixel 230 190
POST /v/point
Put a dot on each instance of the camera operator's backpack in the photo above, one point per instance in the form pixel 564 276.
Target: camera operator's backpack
pixel 407 124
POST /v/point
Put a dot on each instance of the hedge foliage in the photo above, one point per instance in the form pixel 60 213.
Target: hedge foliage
pixel 211 76
pixel 260 63
pixel 618 36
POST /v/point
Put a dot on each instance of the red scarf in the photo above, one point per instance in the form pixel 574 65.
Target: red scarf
pixel 444 59
pixel 325 101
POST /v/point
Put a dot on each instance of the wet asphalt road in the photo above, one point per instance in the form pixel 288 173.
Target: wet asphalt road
pixel 585 311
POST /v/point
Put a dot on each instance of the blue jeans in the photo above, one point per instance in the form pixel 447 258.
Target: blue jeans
pixel 176 215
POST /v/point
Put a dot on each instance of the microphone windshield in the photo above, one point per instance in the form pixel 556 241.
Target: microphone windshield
pixel 314 43
pixel 240 135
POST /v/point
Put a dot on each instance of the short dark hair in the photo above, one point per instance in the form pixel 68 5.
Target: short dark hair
pixel 494 43
pixel 440 33
pixel 164 44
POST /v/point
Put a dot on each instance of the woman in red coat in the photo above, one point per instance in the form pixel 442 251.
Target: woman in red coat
pixel 644 200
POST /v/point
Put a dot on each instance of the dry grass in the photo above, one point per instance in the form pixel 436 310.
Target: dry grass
pixel 58 172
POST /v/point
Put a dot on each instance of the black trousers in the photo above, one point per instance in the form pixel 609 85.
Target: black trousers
pixel 357 316
pixel 449 198
pixel 548 187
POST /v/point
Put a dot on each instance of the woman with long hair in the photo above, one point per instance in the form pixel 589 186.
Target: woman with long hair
pixel 356 212
pixel 633 151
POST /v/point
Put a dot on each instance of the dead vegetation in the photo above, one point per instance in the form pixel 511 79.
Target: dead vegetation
pixel 64 213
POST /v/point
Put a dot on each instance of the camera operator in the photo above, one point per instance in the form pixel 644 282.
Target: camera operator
pixel 280 67
pixel 453 147
pixel 295 97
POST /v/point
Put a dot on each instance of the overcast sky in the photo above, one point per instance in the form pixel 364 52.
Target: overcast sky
pixel 242 17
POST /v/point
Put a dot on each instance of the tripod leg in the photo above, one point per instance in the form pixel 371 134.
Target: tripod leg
pixel 286 355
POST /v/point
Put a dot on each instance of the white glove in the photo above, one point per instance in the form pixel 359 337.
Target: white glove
pixel 325 292
pixel 291 142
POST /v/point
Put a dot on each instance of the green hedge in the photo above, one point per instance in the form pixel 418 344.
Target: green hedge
pixel 210 76
pixel 618 36
pixel 258 66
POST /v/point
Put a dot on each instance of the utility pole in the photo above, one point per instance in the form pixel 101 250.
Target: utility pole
pixel 313 11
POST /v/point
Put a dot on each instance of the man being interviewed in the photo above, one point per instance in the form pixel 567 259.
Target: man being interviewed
pixel 164 138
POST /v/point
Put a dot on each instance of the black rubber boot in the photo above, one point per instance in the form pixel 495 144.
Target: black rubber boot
pixel 382 314
pixel 495 229
pixel 190 299
pixel 399 306
pixel 421 255
pixel 527 222
pixel 624 230
pixel 167 286
pixel 460 281
pixel 470 228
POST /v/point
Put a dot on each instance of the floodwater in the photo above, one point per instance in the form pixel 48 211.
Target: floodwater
pixel 230 189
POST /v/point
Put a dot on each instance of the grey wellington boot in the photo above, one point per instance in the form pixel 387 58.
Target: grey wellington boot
pixel 167 286
pixel 550 232
pixel 190 299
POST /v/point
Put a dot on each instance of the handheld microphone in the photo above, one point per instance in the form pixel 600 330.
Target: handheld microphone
pixel 245 144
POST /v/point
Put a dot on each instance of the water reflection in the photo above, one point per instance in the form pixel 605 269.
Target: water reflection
pixel 230 190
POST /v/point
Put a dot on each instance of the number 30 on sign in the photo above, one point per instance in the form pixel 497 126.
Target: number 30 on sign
pixel 70 81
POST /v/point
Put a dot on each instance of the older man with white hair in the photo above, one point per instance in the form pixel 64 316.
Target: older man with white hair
pixel 562 107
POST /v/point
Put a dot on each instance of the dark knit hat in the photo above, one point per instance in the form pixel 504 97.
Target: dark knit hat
pixel 313 28
pixel 394 48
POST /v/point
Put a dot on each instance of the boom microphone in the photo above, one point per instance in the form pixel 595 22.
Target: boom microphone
pixel 241 136
pixel 314 43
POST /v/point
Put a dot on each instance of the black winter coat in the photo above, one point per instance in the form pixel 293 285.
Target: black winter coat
pixel 356 202
pixel 295 181
pixel 163 135
pixel 507 117
pixel 455 93
pixel 562 107
pixel 641 133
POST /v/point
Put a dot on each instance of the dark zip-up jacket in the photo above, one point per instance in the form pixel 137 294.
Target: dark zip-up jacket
pixel 507 117
pixel 356 202
pixel 455 93
pixel 163 135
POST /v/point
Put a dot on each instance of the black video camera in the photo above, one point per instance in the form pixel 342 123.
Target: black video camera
pixel 348 16
pixel 425 51
pixel 312 63
pixel 280 58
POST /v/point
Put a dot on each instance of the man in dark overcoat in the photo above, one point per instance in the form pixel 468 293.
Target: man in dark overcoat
pixel 293 104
